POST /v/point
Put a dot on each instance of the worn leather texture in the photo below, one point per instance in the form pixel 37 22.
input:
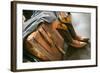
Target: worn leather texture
pixel 44 43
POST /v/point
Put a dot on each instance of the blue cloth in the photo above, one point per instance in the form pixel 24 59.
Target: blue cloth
pixel 36 18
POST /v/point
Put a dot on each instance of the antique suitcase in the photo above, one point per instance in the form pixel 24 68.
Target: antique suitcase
pixel 44 44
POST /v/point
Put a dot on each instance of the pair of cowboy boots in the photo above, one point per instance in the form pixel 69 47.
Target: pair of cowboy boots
pixel 82 41
pixel 72 38
pixel 68 33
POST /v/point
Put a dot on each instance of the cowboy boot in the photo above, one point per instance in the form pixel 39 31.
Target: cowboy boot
pixel 74 35
pixel 68 38
pixel 67 21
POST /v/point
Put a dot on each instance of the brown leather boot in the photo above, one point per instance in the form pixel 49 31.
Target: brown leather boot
pixel 74 34
pixel 71 42
pixel 82 39
pixel 77 44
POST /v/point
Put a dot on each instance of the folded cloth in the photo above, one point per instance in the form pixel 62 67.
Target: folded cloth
pixel 38 17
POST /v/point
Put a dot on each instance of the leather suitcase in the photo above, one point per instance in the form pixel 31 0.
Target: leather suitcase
pixel 43 45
